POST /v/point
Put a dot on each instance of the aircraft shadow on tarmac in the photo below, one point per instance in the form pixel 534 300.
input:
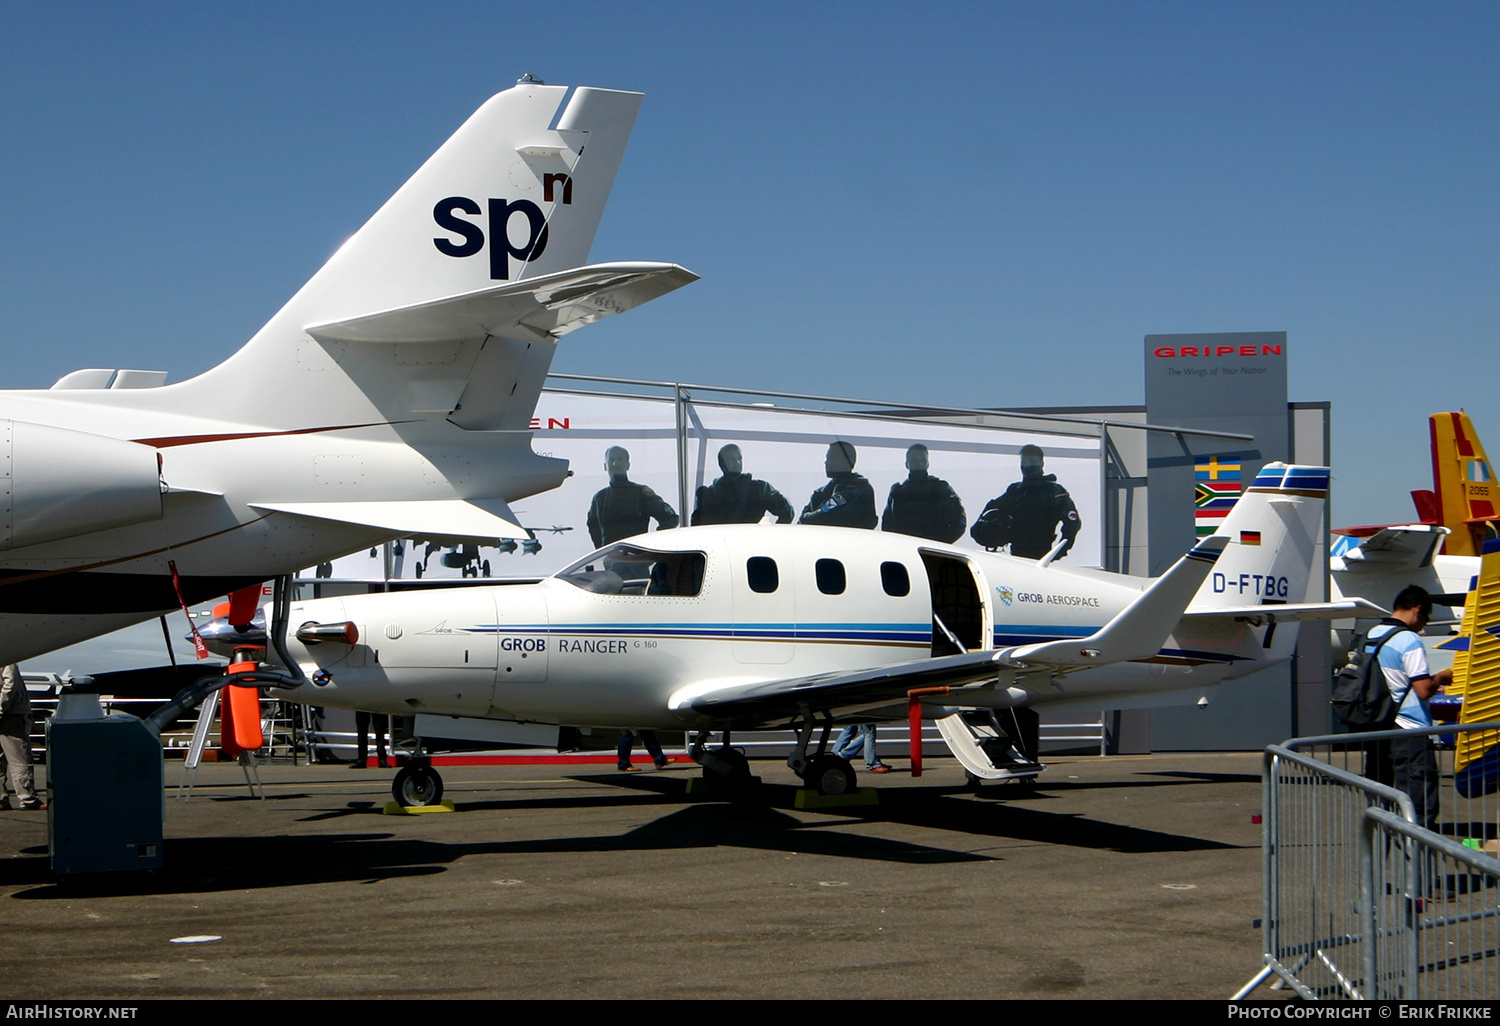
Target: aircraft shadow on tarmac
pixel 947 807
pixel 291 860
pixel 208 864
pixel 1208 778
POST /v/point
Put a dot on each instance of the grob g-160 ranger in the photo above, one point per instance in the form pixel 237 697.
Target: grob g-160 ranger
pixel 734 627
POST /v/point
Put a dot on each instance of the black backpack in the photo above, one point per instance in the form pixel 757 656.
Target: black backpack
pixel 1362 699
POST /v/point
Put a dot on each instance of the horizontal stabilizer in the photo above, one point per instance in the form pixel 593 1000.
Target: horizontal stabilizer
pixel 548 306
pixel 1356 608
pixel 434 519
pixel 1409 546
pixel 1141 628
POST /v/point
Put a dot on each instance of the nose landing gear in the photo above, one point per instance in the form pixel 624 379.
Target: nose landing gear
pixel 417 784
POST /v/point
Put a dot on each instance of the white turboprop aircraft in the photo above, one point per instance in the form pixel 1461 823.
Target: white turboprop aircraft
pixel 739 627
pixel 392 395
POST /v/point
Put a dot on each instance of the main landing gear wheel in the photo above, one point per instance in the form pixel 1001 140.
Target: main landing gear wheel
pixel 417 784
pixel 829 774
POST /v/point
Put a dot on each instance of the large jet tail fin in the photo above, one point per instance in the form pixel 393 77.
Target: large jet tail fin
pixel 1464 483
pixel 461 283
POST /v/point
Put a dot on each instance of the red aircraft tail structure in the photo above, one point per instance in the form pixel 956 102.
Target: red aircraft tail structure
pixel 1426 501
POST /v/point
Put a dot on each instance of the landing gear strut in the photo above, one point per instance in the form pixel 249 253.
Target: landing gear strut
pixel 726 771
pixel 823 772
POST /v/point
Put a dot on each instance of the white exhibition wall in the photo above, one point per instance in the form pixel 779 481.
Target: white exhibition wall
pixel 785 447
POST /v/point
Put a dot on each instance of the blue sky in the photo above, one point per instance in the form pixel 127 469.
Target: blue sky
pixel 976 204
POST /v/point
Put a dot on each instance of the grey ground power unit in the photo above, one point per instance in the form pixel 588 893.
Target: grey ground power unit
pixel 106 802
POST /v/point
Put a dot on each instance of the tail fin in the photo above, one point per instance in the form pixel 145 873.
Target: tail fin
pixel 1476 671
pixel 477 251
pixel 1273 530
pixel 1464 483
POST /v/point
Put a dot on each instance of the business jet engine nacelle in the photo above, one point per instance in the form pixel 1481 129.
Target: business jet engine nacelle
pixel 59 483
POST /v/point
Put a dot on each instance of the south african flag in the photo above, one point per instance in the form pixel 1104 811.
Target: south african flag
pixel 1218 486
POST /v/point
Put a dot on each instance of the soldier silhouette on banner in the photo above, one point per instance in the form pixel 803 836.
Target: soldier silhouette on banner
pixel 847 500
pixel 923 505
pixel 738 498
pixel 625 508
pixel 1028 515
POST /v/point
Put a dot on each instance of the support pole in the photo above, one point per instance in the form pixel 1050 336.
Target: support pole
pixel 914 723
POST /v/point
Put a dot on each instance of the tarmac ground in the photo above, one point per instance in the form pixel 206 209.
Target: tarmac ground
pixel 1125 877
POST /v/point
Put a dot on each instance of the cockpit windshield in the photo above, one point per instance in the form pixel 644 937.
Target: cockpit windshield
pixel 625 569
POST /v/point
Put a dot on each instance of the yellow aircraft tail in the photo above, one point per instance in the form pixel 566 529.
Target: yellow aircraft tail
pixel 1464 483
pixel 1476 675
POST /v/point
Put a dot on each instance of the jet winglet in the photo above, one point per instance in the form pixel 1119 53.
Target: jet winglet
pixel 1140 629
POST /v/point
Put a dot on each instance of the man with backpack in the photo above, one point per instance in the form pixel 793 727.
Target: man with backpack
pixel 1407 763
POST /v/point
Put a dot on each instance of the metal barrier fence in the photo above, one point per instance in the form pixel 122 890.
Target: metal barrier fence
pixel 1430 902
pixel 1348 906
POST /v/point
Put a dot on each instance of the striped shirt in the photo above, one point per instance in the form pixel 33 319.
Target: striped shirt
pixel 1404 660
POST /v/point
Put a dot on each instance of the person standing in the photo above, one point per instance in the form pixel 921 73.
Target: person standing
pixel 363 721
pixel 1407 763
pixel 847 500
pixel 627 744
pixel 857 738
pixel 1030 514
pixel 625 508
pixel 923 505
pixel 15 739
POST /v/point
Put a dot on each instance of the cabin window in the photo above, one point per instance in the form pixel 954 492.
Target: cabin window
pixel 761 572
pixel 830 575
pixel 625 569
pixel 895 579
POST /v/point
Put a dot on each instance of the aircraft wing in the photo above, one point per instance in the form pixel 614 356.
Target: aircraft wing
pixel 1349 609
pixel 548 306
pixel 1137 632
pixel 1410 546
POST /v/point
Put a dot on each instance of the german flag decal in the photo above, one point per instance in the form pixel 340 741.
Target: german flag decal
pixel 1249 537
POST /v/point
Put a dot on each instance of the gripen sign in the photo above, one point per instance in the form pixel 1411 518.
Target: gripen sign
pixel 1176 351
